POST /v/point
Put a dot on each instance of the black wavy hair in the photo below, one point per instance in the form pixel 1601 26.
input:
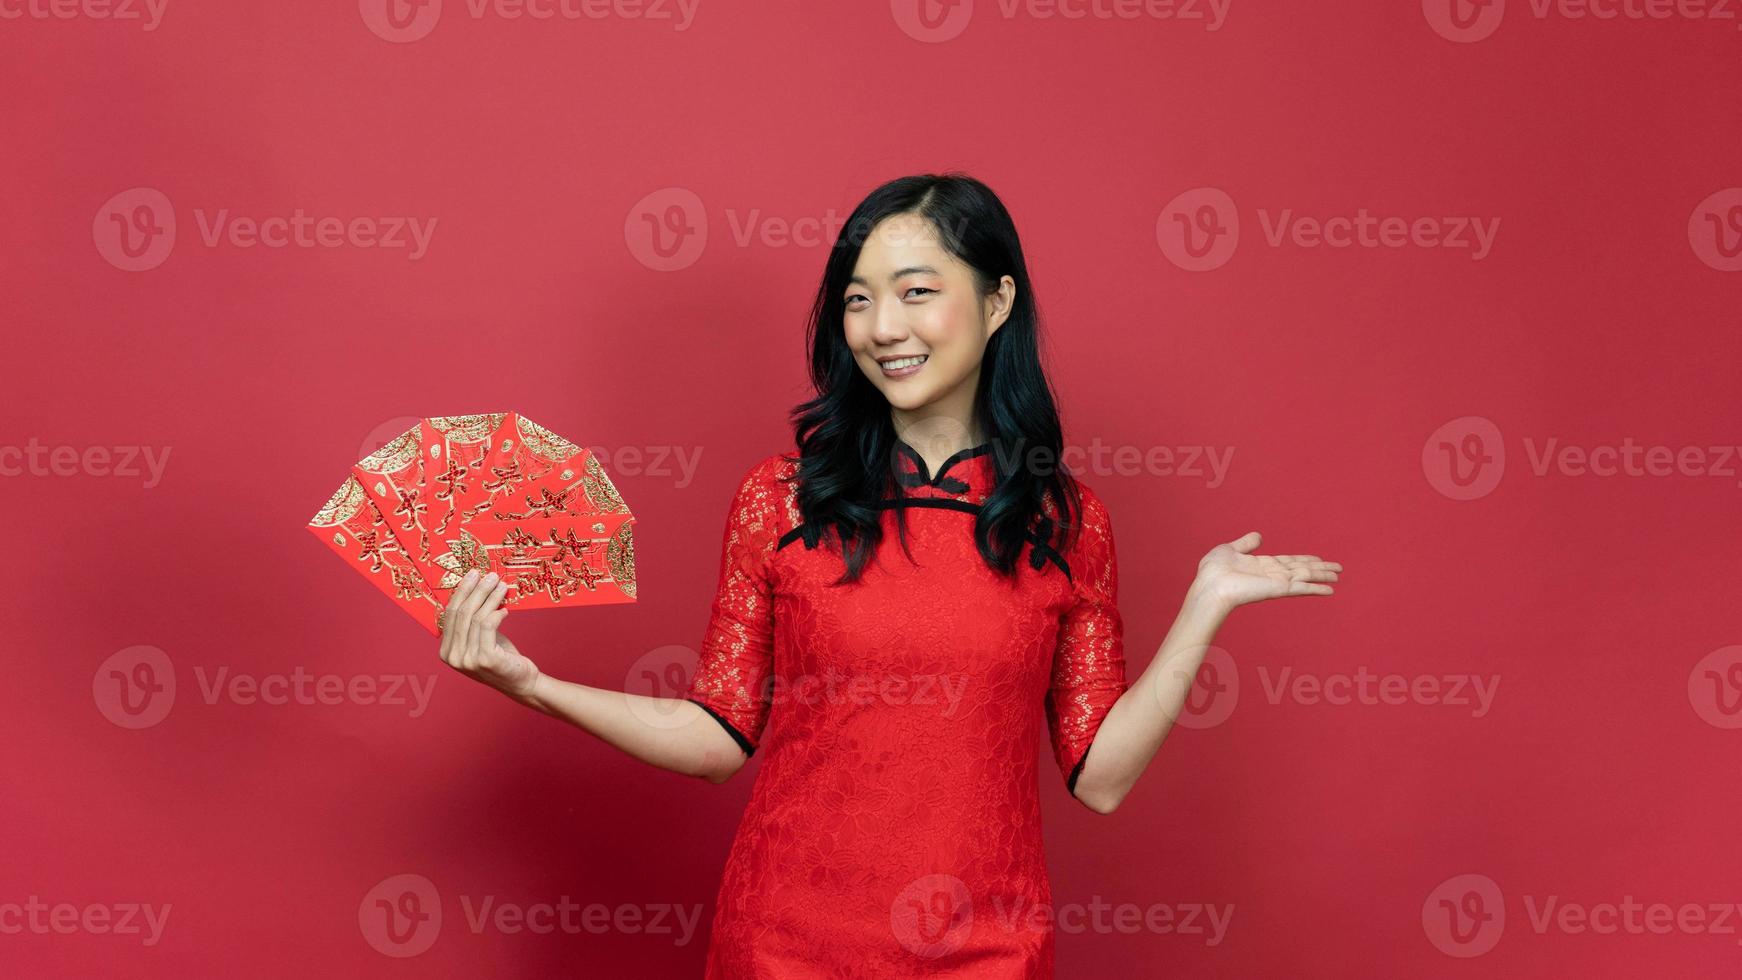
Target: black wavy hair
pixel 846 437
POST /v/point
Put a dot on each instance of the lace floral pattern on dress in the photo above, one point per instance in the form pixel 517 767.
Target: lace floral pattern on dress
pixel 895 819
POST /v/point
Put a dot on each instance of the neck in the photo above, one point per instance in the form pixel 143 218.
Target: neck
pixel 938 439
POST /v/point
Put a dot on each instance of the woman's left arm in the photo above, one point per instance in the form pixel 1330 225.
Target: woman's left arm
pixel 1133 729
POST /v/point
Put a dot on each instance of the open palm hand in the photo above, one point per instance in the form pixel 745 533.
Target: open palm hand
pixel 1234 576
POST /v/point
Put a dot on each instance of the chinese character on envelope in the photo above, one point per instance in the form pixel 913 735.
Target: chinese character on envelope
pixel 498 493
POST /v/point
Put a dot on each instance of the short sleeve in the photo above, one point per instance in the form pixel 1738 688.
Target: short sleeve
pixel 1088 673
pixel 736 656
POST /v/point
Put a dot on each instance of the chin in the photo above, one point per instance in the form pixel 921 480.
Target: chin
pixel 906 398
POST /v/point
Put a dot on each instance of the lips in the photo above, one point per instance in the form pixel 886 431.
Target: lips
pixel 902 367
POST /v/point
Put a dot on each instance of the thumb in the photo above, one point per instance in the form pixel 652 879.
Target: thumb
pixel 1245 543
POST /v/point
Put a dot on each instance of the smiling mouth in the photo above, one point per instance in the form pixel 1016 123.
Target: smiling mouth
pixel 901 367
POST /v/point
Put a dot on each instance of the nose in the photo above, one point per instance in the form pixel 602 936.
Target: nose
pixel 890 326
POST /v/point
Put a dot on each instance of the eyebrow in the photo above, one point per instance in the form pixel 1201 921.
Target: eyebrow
pixel 898 273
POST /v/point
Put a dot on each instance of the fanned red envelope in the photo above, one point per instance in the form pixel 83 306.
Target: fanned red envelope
pixel 498 493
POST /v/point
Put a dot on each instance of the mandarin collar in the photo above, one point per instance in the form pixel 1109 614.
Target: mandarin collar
pixel 967 470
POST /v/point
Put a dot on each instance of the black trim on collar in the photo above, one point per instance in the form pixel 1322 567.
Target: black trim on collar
pixel 947 503
pixel 737 736
pixel 926 478
pixel 1041 549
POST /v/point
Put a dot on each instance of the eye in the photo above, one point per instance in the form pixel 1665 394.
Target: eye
pixel 922 289
pixel 853 297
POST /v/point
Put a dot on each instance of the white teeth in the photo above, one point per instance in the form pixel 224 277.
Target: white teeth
pixel 904 362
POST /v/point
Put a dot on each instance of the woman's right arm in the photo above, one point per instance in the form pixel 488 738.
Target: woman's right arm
pixel 671 733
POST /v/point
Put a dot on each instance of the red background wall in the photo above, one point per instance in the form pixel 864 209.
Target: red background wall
pixel 1603 314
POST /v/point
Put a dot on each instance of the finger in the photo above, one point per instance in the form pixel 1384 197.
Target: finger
pixel 1307 588
pixel 483 650
pixel 1246 542
pixel 457 598
pixel 464 588
pixel 487 630
pixel 478 652
pixel 449 642
pixel 479 594
pixel 460 615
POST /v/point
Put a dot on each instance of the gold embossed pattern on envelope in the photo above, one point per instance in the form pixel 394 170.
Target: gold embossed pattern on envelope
pixel 494 492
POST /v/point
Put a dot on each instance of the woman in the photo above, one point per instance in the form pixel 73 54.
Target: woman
pixel 896 692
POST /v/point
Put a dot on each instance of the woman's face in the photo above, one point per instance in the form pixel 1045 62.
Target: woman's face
pixel 915 320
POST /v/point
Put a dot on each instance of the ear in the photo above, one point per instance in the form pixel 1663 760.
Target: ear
pixel 999 304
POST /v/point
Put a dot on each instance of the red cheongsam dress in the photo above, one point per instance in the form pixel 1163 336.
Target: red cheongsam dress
pixel 894 826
